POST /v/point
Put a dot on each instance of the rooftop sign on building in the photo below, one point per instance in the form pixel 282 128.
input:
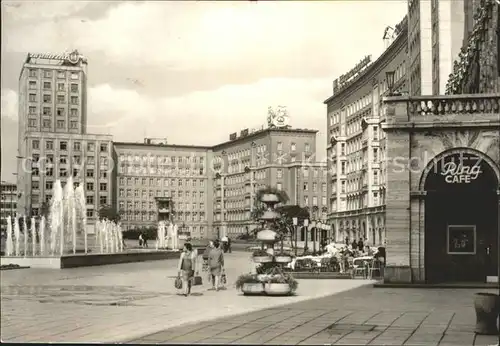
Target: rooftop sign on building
pixel 344 79
pixel 277 118
pixel 70 58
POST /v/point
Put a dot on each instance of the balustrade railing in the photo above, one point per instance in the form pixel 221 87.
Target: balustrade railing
pixel 454 104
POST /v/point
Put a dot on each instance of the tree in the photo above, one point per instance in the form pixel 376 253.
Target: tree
pixel 109 213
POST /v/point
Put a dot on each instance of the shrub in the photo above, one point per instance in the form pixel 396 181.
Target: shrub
pixel 246 279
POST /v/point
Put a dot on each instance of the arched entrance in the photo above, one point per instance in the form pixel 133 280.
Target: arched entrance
pixel 461 218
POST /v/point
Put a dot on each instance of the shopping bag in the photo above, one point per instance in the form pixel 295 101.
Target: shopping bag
pixel 197 280
pixel 223 279
pixel 178 283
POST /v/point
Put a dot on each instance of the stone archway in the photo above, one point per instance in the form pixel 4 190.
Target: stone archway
pixel 461 217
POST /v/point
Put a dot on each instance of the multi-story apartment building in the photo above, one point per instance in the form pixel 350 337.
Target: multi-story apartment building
pixel 53 143
pixel 147 171
pixel 435 37
pixel 356 144
pixel 8 193
pixel 281 157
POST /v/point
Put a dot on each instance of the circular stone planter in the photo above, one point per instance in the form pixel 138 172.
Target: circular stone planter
pixel 275 289
pixel 487 306
pixel 283 258
pixel 269 198
pixel 252 288
pixel 262 259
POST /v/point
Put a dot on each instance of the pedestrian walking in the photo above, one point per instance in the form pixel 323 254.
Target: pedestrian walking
pixel 229 245
pixel 185 269
pixel 216 264
pixel 141 240
pixel 206 267
pixel 145 240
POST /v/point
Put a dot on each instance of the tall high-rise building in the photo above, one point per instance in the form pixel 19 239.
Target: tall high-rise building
pixel 53 143
pixel 435 37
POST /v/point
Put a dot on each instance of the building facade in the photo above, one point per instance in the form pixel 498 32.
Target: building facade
pixel 147 173
pixel 280 157
pixel 8 201
pixel 435 37
pixel 356 147
pixel 443 202
pixel 53 143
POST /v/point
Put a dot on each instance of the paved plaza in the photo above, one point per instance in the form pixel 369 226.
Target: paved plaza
pixel 137 303
pixel 121 302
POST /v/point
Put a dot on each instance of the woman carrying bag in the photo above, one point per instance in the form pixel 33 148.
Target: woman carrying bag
pixel 185 270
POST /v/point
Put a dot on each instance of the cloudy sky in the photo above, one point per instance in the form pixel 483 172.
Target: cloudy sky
pixel 194 71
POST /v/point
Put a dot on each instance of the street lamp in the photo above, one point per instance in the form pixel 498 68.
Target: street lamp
pixel 389 76
pixel 319 226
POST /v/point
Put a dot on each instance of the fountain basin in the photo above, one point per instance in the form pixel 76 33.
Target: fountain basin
pixel 89 260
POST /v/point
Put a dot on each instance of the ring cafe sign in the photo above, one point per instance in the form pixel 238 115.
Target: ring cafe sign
pixel 459 173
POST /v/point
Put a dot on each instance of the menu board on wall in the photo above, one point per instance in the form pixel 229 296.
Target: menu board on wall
pixel 461 239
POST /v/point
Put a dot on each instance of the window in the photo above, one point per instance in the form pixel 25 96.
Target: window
pixel 47 74
pixel 343 186
pixel 61 74
pixel 73 124
pixel 323 200
pixel 77 146
pixel 104 174
pixel 323 187
pixel 32 110
pixel 32 73
pixel 47 85
pixel 375 132
pixel 104 148
pixel 293 147
pixel 90 173
pixel 74 100
pixel 315 187
pixel 306 187
pixel 74 88
pixel 31 122
pixel 35 144
pixel 49 185
pixel 103 200
pixel 32 85
pixel 342 149
pixel 35 185
pixel 90 186
pixel 76 159
pixel 306 200
pixel 280 146
pixel 90 147
pixel 375 154
pixel 60 124
pixel 63 145
pixel 307 147
pixel 60 112
pixel 90 213
pixel 74 75
pixel 49 145
pixel 75 173
pixel 63 172
pixel 60 98
pixel 74 112
pixel 46 111
pixel 90 199
pixel 306 172
pixel 375 177
pixel 103 186
pixel 63 159
pixel 343 167
pixel 60 86
pixel 32 97
pixel 49 172
pixel 279 173
pixel 279 186
pixel 47 98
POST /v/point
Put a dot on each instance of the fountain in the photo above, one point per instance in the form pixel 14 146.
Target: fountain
pixel 55 240
pixel 9 246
